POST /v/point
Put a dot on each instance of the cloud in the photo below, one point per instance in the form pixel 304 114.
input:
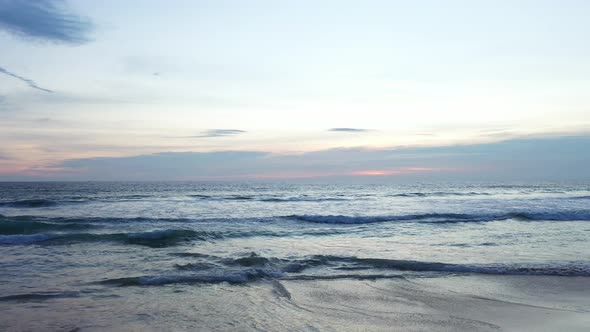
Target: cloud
pixel 350 130
pixel 544 159
pixel 167 165
pixel 219 133
pixel 45 20
pixel 27 81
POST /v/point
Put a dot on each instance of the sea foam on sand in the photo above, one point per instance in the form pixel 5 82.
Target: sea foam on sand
pixel 455 303
pixel 467 303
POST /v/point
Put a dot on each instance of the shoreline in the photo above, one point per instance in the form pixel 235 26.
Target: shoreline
pixel 451 303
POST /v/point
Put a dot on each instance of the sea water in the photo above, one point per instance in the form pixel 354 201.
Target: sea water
pixel 72 244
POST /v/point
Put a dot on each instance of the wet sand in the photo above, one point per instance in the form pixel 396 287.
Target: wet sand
pixel 472 303
pixel 459 303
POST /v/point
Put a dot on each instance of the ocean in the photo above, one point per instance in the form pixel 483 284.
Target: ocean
pixel 78 256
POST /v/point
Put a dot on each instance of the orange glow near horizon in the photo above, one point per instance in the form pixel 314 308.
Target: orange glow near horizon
pixel 56 171
pixel 304 175
pixel 376 173
pixel 399 171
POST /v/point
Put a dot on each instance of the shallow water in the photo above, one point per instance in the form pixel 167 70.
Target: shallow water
pixel 71 242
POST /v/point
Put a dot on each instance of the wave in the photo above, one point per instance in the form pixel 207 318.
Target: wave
pixel 341 219
pixel 240 277
pixel 43 203
pixel 35 224
pixel 200 196
pixel 353 263
pixel 228 198
pixel 558 269
pixel 30 203
pixel 164 238
pixel 38 296
pixel 439 194
pixel 235 278
pixel 23 226
pixel 304 199
pixel 154 239
pixel 131 197
pixel 269 199
pixel 255 268
pixel 25 239
pixel 238 198
pixel 582 215
pixel 446 217
pixel 90 220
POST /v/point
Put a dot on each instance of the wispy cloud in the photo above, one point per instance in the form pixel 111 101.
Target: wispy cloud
pixel 45 20
pixel 350 130
pixel 27 81
pixel 218 133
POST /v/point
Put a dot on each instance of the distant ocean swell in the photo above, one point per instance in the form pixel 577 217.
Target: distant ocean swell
pixel 32 224
pixel 30 203
pixel 35 203
pixel 252 268
pixel 44 203
pixel 41 296
pixel 439 194
pixel 64 231
pixel 19 225
pixel 156 239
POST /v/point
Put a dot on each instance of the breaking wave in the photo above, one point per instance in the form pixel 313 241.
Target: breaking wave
pixel 446 217
pixel 325 267
pixel 558 269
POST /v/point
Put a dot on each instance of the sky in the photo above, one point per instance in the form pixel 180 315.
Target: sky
pixel 334 90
